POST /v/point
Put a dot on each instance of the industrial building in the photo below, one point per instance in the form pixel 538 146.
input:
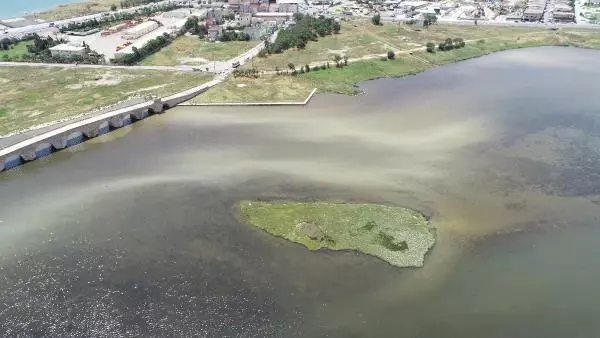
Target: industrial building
pixel 140 30
pixel 68 50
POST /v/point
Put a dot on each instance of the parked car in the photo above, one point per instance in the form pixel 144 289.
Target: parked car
pixel 235 64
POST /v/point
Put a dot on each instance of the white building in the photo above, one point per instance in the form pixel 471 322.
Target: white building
pixel 179 13
pixel 67 51
pixel 290 6
pixel 139 30
pixel 279 17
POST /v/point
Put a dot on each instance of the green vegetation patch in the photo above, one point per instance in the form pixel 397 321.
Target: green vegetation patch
pixel 397 235
pixel 16 51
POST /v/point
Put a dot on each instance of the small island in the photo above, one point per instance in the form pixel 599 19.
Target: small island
pixel 397 235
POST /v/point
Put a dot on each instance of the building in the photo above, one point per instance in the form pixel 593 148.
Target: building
pixel 289 6
pixel 246 19
pixel 144 28
pixel 180 13
pixel 67 51
pixel 533 14
pixel 214 33
pixel 278 17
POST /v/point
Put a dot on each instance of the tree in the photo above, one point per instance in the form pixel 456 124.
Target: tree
pixel 292 67
pixel 376 19
pixel 391 55
pixel 430 20
pixel 448 44
pixel 307 68
pixel 345 60
pixel 337 27
pixel 431 47
pixel 337 60
pixel 113 7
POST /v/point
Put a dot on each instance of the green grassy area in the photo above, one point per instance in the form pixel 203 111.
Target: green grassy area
pixel 397 235
pixel 15 52
pixel 36 95
pixel 353 41
pixel 193 51
pixel 267 88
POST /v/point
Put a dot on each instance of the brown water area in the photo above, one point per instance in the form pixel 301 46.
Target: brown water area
pixel 136 232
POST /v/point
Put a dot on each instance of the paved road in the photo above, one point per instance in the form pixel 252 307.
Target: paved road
pixel 72 65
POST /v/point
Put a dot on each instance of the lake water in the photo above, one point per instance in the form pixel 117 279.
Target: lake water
pixel 11 9
pixel 136 233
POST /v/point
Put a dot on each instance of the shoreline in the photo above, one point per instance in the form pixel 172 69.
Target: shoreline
pixel 355 85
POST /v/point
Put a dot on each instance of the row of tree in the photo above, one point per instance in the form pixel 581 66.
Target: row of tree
pixel 133 3
pixel 305 29
pixel 234 36
pixel 154 45
pixel 450 44
pixel 149 48
pixel 253 73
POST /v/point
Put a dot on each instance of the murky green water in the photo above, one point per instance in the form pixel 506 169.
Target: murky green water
pixel 135 233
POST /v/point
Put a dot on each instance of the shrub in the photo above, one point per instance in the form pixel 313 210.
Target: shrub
pixel 388 242
pixel 391 55
pixel 431 47
pixel 383 58
pixel 323 67
pixel 316 68
pixel 376 19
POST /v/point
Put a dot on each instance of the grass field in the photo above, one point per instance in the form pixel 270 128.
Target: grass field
pixel 352 41
pixel 399 236
pixel 32 95
pixel 267 88
pixel 193 51
pixel 16 52
pixel 361 39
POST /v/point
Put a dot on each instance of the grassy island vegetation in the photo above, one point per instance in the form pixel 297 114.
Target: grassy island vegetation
pixel 397 235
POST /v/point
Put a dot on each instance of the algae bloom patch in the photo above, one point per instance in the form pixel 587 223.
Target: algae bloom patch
pixel 397 235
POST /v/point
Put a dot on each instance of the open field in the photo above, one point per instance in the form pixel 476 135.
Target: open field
pixel 480 40
pixel 397 235
pixel 191 50
pixel 16 52
pixel 77 9
pixel 33 96
pixel 267 88
pixel 361 39
pixel 352 41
